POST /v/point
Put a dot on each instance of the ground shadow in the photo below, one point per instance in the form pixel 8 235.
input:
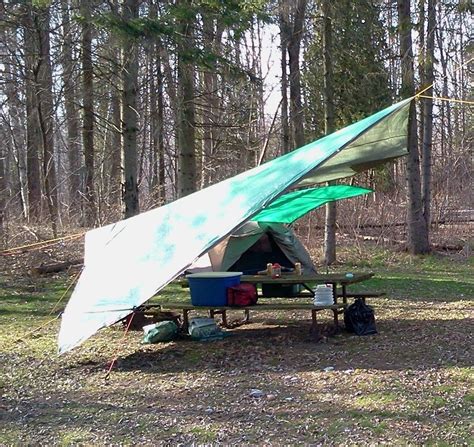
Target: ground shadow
pixel 400 344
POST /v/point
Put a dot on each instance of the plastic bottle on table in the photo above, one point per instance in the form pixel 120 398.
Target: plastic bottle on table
pixel 298 268
pixel 269 269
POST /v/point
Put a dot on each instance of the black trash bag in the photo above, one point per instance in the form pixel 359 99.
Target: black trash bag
pixel 359 318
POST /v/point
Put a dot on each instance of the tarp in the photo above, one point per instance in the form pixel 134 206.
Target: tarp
pixel 284 210
pixel 126 263
pixel 292 206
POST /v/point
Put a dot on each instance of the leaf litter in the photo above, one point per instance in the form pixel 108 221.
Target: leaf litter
pixel 267 384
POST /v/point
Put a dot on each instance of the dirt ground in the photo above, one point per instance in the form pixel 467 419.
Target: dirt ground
pixel 267 383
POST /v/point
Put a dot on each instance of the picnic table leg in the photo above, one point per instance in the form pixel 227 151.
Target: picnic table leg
pixel 336 316
pixel 223 313
pixel 344 293
pixel 247 316
pixel 224 318
pixel 334 293
pixel 185 319
pixel 314 323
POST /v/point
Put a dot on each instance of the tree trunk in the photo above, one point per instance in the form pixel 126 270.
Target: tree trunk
pixel 445 106
pixel 186 126
pixel 207 112
pixel 72 116
pixel 46 115
pixel 129 115
pixel 417 228
pixel 116 144
pixel 156 116
pixel 160 127
pixel 90 213
pixel 328 92
pixel 428 111
pixel 212 35
pixel 3 197
pixel 294 43
pixel 33 132
pixel 15 186
pixel 284 36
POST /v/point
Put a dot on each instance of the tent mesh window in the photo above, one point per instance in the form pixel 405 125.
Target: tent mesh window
pixel 256 258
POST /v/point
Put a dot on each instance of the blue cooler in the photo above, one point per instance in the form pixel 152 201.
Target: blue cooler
pixel 210 288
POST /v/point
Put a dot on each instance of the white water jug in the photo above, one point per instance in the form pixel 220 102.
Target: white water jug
pixel 323 295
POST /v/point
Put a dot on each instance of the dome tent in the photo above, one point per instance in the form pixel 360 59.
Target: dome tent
pixel 255 244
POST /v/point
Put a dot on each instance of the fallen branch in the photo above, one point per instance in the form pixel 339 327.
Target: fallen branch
pixel 55 268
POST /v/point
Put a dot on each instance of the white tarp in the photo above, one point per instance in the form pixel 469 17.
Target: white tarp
pixel 128 262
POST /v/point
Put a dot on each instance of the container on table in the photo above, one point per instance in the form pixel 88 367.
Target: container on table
pixel 210 288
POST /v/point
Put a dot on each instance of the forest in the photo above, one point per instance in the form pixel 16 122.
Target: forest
pixel 113 108
pixel 110 109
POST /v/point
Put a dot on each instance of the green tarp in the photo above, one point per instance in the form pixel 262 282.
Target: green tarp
pixel 126 263
pixel 292 206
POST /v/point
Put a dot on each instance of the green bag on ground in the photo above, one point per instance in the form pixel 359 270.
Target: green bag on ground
pixel 158 332
pixel 205 329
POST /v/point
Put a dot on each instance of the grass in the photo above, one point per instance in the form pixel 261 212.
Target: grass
pixel 410 384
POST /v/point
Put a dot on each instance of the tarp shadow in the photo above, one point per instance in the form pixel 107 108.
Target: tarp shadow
pixel 401 344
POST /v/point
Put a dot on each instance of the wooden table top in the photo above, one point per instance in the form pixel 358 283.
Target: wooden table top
pixel 290 278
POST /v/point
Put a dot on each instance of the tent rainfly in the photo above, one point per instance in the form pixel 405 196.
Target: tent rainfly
pixel 126 263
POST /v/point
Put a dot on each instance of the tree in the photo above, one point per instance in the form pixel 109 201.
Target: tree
pixel 361 84
pixel 291 17
pixel 40 113
pixel 72 112
pixel 45 106
pixel 328 92
pixel 90 213
pixel 187 174
pixel 284 33
pixel 417 226
pixel 427 119
pixel 129 113
pixel 115 149
pixel 33 139
pixel 14 132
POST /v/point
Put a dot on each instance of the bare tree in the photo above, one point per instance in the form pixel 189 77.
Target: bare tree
pixel 328 92
pixel 33 135
pixel 427 120
pixel 291 25
pixel 129 114
pixel 417 228
pixel 283 16
pixel 186 126
pixel 46 113
pixel 72 112
pixel 88 114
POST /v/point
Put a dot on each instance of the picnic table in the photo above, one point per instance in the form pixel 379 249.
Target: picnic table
pixel 339 281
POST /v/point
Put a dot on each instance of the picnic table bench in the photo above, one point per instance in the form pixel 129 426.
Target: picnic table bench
pixel 187 307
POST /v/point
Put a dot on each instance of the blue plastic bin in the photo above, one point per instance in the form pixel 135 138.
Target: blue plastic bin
pixel 210 288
